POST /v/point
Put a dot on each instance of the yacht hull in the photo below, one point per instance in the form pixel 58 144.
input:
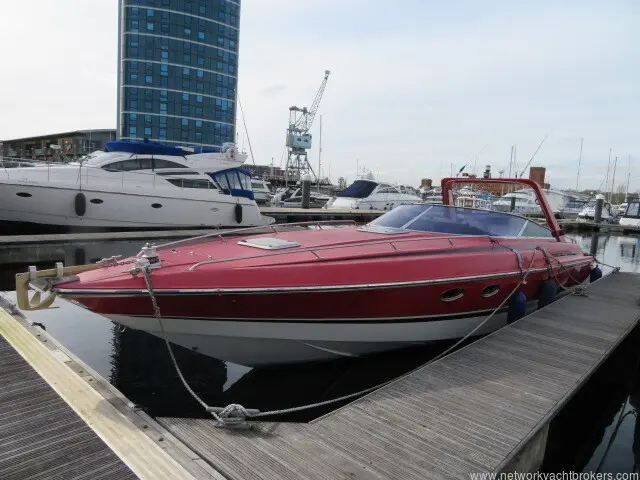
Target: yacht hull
pixel 56 206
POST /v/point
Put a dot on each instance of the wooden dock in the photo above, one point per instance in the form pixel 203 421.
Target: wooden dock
pixel 485 408
pixel 59 419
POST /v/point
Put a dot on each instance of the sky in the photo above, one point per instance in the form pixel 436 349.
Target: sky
pixel 418 88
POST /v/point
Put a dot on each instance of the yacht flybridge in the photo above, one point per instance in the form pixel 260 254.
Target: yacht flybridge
pixel 134 185
pixel 316 291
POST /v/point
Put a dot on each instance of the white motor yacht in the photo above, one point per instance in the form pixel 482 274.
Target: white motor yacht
pixel 370 195
pixel 631 216
pixel 589 211
pixel 261 191
pixel 134 185
pixel 526 202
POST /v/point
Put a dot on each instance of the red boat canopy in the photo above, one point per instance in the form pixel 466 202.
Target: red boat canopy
pixel 447 196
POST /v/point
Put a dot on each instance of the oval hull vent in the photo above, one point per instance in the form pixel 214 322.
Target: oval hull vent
pixel 156 205
pixel 24 194
pixel 490 291
pixel 451 295
pixel 96 201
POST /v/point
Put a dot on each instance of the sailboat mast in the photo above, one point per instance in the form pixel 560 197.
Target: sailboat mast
pixel 319 153
pixel 579 162
pixel 626 195
pixel 613 179
pixel 606 181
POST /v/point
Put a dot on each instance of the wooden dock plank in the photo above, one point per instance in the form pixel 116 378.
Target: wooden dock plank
pixel 78 433
pixel 468 412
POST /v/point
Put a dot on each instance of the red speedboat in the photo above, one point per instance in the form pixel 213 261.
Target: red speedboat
pixel 419 273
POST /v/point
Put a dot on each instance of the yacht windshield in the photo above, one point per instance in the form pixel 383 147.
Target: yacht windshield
pixel 358 189
pixel 459 221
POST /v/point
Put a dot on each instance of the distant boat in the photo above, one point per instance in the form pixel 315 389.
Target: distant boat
pixel 134 185
pixel 371 195
pixel 572 208
pixel 526 202
pixel 588 213
pixel 631 216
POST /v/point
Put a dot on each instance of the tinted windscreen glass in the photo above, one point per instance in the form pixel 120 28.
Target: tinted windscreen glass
pixel 452 220
pixel 358 189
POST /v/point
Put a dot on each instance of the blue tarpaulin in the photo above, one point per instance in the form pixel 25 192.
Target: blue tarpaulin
pixel 142 148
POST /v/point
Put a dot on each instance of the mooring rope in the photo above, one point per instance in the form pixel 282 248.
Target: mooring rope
pixel 235 415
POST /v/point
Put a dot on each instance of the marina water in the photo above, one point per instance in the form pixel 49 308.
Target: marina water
pixel 598 429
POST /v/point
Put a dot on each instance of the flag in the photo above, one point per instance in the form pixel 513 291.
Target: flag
pixel 460 171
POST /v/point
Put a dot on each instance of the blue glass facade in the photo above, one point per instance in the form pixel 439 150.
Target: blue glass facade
pixel 177 70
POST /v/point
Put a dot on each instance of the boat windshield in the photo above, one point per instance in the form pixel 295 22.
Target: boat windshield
pixel 234 181
pixel 459 221
pixel 633 210
pixel 358 189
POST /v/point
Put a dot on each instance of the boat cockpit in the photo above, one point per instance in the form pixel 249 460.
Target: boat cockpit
pixel 455 221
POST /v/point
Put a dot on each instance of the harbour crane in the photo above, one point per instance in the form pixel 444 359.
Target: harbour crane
pixel 298 137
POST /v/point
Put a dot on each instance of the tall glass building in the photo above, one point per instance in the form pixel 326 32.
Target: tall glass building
pixel 177 71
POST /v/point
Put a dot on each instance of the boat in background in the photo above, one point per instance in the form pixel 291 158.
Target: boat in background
pixel 572 209
pixel 631 216
pixel 589 211
pixel 317 291
pixel 474 202
pixel 261 191
pixel 371 195
pixel 134 185
pixel 526 202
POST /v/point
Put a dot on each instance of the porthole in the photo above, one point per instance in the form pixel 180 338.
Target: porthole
pixel 156 205
pixel 97 201
pixel 490 291
pixel 451 295
pixel 24 194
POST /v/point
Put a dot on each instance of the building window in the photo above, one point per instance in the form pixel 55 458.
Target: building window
pixel 187 32
pixel 134 78
pixel 201 35
pixel 163 107
pixel 132 117
pixel 150 26
pixel 200 74
pixel 185 97
pixel 185 71
pixel 147 130
pixel 198 123
pixel 150 13
pixel 147 118
pixel 132 131
pixel 199 98
pixel 148 79
pixel 185 122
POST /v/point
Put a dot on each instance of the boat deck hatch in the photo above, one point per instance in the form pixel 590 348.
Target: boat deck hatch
pixel 268 243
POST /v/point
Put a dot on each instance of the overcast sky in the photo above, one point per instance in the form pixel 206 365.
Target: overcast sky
pixel 416 85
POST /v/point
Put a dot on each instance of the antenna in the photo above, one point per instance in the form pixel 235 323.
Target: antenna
pixel 534 154
pixel 579 162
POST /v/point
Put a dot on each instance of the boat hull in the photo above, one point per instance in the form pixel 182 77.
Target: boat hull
pixel 312 325
pixel 261 343
pixel 55 206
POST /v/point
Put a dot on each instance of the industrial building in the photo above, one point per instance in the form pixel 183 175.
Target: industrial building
pixel 68 144
pixel 177 71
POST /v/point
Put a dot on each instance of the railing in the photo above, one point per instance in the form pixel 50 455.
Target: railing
pixel 314 250
pixel 254 231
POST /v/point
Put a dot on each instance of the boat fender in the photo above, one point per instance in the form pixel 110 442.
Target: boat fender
pixel 517 307
pixel 548 292
pixel 80 204
pixel 596 274
pixel 238 211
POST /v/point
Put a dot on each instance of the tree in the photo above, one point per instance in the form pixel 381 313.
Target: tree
pixel 342 183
